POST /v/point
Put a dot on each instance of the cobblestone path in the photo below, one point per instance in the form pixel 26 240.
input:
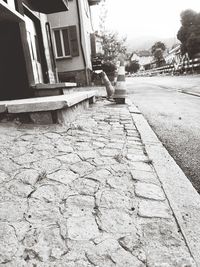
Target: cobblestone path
pixel 84 195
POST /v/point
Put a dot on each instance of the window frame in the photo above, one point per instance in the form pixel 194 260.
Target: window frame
pixel 60 29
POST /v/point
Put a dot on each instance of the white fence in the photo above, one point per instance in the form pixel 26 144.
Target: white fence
pixel 192 65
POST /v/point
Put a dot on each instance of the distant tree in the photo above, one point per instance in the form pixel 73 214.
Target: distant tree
pixel 158 45
pixel 157 51
pixel 189 33
pixel 132 66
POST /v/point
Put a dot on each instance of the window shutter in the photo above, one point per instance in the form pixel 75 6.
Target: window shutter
pixel 73 41
pixel 93 44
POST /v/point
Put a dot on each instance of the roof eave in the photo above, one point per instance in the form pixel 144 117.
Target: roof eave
pixel 49 7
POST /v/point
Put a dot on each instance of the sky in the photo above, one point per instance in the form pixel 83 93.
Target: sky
pixel 139 18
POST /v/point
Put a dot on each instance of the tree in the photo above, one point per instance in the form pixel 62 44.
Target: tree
pixel 157 51
pixel 189 33
pixel 132 66
pixel 157 45
pixel 112 44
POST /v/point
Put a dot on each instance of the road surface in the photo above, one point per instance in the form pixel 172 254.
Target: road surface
pixel 174 116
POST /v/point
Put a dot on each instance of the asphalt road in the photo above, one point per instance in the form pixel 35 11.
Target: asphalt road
pixel 174 116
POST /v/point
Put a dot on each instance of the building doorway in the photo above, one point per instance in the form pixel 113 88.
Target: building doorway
pixel 13 79
pixel 33 43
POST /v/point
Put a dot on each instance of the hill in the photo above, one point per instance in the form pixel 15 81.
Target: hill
pixel 145 43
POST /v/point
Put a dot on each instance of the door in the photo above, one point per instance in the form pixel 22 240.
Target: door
pixel 34 50
pixel 13 73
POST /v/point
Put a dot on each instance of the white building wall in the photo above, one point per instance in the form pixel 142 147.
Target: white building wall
pixel 86 31
pixel 11 3
pixel 43 20
pixel 65 19
pixel 69 18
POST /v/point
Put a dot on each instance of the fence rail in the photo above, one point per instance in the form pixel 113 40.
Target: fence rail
pixel 192 65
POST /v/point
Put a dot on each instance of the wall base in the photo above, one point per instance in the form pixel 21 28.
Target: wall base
pixel 63 116
pixel 68 115
pixel 78 76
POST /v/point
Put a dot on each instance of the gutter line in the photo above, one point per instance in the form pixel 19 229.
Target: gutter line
pixel 81 44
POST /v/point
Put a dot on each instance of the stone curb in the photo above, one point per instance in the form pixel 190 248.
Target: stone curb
pixel 190 93
pixel 182 196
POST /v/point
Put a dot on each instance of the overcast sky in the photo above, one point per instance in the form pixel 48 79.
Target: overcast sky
pixel 160 18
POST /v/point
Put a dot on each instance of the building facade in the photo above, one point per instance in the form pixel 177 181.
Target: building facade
pixel 73 39
pixel 26 50
pixel 174 55
pixel 142 57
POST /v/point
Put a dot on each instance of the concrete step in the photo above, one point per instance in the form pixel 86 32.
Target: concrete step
pixel 101 90
pixel 49 103
pixel 42 89
pixel 49 86
pixel 2 107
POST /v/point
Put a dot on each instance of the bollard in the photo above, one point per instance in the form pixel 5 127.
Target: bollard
pixel 120 89
pixel 109 88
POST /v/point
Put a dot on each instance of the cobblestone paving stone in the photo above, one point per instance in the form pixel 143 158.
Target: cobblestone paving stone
pixel 84 195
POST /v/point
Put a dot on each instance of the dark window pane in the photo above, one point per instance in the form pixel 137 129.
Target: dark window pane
pixel 74 45
pixel 66 42
pixel 93 44
pixel 58 44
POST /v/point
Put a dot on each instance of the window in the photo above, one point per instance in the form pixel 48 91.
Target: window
pixel 66 42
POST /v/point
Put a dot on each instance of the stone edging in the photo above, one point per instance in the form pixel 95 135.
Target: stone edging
pixel 183 198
